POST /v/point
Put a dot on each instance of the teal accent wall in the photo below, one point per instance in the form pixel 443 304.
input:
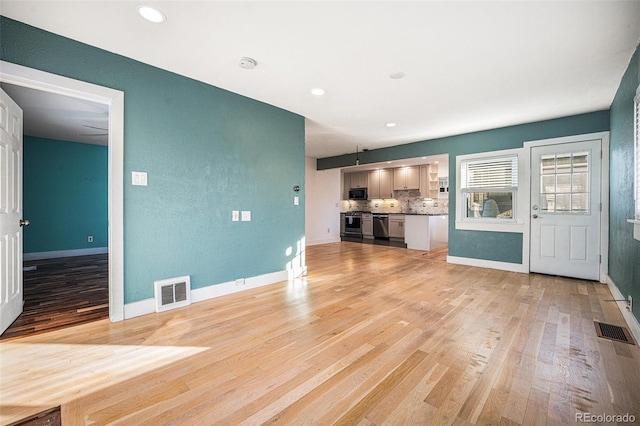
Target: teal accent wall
pixel 64 195
pixel 624 250
pixel 496 246
pixel 207 152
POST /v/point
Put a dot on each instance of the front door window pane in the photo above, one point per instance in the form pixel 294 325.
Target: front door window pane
pixel 564 183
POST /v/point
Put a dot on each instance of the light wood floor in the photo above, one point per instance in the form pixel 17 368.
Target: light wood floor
pixel 373 336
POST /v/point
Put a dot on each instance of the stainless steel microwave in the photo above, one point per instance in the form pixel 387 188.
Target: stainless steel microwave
pixel 358 194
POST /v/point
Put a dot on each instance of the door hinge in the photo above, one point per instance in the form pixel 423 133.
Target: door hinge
pixel 599 258
pixel 600 206
pixel 601 154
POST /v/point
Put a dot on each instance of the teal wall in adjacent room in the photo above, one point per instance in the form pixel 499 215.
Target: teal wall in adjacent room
pixel 207 152
pixel 64 195
pixel 495 246
pixel 624 250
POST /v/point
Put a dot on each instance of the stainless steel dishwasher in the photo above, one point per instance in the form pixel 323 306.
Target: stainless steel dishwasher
pixel 381 226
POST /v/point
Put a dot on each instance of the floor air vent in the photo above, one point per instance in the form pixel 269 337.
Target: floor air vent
pixel 613 332
pixel 172 293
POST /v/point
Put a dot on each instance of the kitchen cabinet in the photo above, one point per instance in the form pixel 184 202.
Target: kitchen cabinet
pixel 358 179
pixel 380 184
pixel 353 180
pixel 367 225
pixel 346 185
pixel 429 181
pixel 406 178
pixel 396 226
pixel 426 232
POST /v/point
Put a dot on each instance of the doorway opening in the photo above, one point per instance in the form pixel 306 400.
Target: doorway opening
pixel 114 102
pixel 65 193
pixel 568 214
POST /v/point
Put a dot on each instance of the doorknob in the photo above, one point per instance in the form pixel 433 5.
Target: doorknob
pixel 535 216
pixel 24 222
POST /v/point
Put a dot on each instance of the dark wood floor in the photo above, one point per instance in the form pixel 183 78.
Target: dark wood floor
pixel 62 292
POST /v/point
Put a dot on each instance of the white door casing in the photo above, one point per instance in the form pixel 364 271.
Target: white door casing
pixel 565 209
pixel 41 80
pixel 11 295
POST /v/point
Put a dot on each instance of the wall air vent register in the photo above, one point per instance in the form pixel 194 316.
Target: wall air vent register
pixel 172 293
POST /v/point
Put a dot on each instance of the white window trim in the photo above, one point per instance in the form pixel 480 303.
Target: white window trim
pixel 491 224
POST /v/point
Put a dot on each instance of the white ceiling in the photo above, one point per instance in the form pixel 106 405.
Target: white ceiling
pixel 53 116
pixel 468 66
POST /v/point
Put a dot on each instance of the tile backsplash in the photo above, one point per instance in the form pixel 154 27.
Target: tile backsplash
pixel 405 202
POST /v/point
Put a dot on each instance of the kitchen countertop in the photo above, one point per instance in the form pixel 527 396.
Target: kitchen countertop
pixel 422 214
pixel 412 213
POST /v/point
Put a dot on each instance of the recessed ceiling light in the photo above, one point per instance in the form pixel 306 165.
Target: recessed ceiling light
pixel 396 75
pixel 436 162
pixel 151 14
pixel 391 124
pixel 317 91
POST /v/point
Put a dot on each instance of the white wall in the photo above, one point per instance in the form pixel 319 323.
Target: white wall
pixel 322 204
pixel 443 168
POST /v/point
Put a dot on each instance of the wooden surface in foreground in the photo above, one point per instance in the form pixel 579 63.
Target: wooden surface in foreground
pixel 373 336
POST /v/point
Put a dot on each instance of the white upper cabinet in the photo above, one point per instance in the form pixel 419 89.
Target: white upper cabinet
pixel 406 178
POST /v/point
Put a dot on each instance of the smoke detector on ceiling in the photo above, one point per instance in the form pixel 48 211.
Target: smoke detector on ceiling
pixel 247 63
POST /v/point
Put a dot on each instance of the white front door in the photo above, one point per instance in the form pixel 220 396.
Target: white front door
pixel 11 298
pixel 566 209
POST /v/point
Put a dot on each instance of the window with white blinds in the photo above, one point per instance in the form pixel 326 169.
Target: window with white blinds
pixel 636 136
pixel 488 188
pixel 490 174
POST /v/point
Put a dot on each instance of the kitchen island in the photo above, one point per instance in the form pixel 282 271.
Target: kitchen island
pixel 426 231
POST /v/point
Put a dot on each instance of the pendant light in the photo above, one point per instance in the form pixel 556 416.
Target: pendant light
pixel 357 158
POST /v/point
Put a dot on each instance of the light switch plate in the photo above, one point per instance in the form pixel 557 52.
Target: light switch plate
pixel 296 201
pixel 246 215
pixel 235 215
pixel 139 178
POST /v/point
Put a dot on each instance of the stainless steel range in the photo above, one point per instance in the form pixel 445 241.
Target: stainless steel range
pixel 352 224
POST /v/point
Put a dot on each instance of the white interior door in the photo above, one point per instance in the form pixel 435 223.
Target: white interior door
pixel 566 209
pixel 11 298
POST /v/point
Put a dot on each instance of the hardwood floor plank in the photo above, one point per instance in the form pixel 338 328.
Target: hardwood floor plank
pixel 374 335
pixel 62 292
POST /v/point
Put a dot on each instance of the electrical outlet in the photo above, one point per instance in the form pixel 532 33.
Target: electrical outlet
pixel 629 303
pixel 90 239
pixel 240 281
pixel 235 215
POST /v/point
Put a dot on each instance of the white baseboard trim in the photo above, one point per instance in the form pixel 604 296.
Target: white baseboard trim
pixel 492 264
pixel 147 306
pixel 137 309
pixel 65 253
pixel 322 241
pixel 629 318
